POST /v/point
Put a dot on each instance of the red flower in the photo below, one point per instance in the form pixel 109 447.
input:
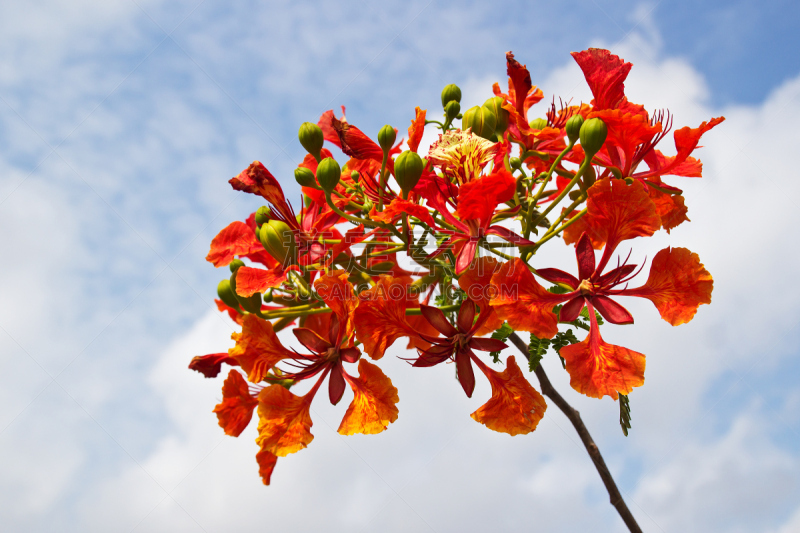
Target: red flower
pixel 678 284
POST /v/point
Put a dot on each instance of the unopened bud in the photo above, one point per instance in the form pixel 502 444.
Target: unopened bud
pixel 236 264
pixel 328 174
pixel 354 175
pixel 574 128
pixel 593 135
pixel 311 138
pixel 226 294
pixel 386 138
pixel 278 240
pixel 515 163
pixel 407 170
pixel 538 124
pixel 495 105
pixel 263 214
pixel 481 120
pixel 451 93
pixel 305 177
pixel 452 109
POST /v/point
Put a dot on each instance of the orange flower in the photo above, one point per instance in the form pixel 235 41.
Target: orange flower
pixel 373 407
pixel 515 407
pixel 257 348
pixel 476 282
pixel 236 409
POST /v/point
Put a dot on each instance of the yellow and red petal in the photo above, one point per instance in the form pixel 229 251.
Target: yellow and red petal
pixel 257 348
pixel 252 280
pixel 266 464
pixel 618 211
pixel 337 293
pixel 678 284
pixel 605 73
pixel 478 198
pixel 599 369
pixel 235 239
pixel 416 129
pixel 236 409
pixel 284 424
pixel 380 318
pixel 519 299
pixel 374 405
pixel 515 406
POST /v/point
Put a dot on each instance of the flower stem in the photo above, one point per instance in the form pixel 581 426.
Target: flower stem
pixel 591 448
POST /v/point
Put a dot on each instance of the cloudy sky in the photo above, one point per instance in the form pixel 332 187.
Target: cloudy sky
pixel 121 122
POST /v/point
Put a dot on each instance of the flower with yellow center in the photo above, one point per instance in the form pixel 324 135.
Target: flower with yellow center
pixel 462 153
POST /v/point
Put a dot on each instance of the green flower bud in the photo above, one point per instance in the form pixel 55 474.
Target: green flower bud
pixel 235 264
pixel 328 174
pixel 311 138
pixel 495 105
pixel 515 163
pixel 452 109
pixel 386 138
pixel 574 127
pixel 278 240
pixel 593 135
pixel 407 170
pixel 305 177
pixel 451 93
pixel 226 294
pixel 481 120
pixel 355 176
pixel 263 214
pixel 538 124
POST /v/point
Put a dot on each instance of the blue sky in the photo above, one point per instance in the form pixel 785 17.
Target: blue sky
pixel 121 123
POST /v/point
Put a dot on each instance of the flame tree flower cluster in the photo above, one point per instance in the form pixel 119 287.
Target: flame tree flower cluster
pixel 438 251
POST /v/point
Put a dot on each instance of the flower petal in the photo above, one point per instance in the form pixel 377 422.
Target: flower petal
pixel 477 199
pixel 519 299
pixel 618 211
pixel 611 310
pixel 599 369
pixel 605 73
pixel 416 129
pixel 678 284
pixel 380 318
pixel 236 409
pixel 284 424
pixel 266 464
pixel 256 179
pixel 257 348
pixel 397 207
pixel 235 239
pixel 515 406
pixel 337 293
pixel 211 364
pixel 373 407
pixel 252 280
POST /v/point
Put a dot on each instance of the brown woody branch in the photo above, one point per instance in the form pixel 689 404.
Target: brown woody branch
pixel 586 438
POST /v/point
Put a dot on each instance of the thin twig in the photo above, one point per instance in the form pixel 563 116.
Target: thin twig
pixel 586 438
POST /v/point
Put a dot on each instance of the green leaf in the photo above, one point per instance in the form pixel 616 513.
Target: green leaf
pixel 585 314
pixel 536 350
pixel 502 334
pixel 558 289
pixel 624 414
